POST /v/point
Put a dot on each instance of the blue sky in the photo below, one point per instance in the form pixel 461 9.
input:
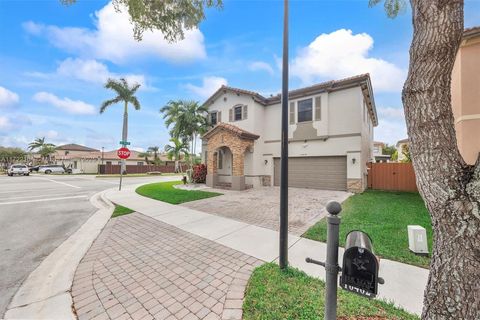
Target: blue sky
pixel 54 60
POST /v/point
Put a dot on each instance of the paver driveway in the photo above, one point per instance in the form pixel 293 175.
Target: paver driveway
pixel 260 206
pixel 141 268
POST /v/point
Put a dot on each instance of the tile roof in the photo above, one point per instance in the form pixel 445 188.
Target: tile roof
pixel 471 32
pixel 362 80
pixel 234 129
pixel 75 147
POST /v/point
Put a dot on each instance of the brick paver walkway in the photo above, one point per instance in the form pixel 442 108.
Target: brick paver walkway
pixel 141 268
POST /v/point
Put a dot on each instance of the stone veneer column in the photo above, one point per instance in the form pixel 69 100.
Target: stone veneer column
pixel 212 177
pixel 238 178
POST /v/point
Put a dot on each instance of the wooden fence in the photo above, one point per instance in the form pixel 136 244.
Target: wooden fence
pixel 392 176
pixel 115 168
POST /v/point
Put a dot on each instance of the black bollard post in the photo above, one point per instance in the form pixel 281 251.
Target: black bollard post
pixel 331 264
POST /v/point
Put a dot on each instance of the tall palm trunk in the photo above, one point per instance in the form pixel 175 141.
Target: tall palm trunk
pixel 450 188
pixel 125 134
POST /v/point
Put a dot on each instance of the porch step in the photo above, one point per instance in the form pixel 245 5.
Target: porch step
pixel 228 185
pixel 223 185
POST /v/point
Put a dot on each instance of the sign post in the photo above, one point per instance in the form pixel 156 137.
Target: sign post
pixel 123 153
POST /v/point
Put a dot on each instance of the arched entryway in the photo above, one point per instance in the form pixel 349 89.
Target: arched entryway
pixel 226 147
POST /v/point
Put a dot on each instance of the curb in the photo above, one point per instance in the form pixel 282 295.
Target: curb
pixel 45 294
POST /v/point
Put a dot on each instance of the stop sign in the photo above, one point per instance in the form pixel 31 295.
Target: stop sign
pixel 123 153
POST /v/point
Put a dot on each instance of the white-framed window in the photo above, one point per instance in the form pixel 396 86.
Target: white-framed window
pixel 140 163
pixel 304 110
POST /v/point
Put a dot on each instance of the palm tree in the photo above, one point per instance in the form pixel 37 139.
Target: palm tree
pixel 145 155
pixel 39 143
pixel 176 151
pixel 188 119
pixel 42 147
pixel 126 94
pixel 155 150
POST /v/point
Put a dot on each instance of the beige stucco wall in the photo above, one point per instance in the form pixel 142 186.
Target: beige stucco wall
pixel 466 98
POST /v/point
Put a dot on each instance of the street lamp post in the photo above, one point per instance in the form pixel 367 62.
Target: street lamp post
pixel 103 149
pixel 283 256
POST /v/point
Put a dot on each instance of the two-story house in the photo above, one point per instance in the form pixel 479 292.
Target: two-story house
pixel 330 136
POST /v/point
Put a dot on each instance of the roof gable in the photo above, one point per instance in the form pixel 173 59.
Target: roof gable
pixel 230 128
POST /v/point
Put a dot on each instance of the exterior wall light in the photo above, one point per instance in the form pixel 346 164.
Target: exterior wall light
pixel 353 160
pixel 266 161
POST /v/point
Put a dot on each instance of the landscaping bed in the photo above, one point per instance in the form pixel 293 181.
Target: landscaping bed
pixel 384 216
pixel 120 211
pixel 166 192
pixel 291 294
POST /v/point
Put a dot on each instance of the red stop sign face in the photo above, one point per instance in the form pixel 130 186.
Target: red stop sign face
pixel 123 153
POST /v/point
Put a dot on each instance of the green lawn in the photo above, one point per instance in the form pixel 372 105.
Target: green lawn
pixel 384 216
pixel 164 191
pixel 293 295
pixel 120 211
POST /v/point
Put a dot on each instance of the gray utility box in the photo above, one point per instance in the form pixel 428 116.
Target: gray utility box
pixel 417 240
pixel 360 265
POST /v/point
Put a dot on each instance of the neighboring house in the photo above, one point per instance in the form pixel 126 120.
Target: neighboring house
pixel 86 160
pixel 330 136
pixel 466 95
pixel 400 147
pixel 378 152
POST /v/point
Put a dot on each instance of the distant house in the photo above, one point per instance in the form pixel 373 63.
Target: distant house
pixel 400 147
pixel 378 152
pixel 466 95
pixel 83 159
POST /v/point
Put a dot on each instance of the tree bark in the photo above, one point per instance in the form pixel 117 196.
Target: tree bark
pixel 450 187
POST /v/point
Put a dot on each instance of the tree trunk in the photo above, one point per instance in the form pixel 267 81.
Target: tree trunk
pixel 125 134
pixel 450 188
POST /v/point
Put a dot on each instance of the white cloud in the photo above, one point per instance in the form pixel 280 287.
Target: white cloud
pixel 5 124
pixel 261 66
pixel 50 134
pixel 7 97
pixel 10 123
pixel 342 54
pixel 65 104
pixel 112 39
pixel 91 70
pixel 391 125
pixel 208 87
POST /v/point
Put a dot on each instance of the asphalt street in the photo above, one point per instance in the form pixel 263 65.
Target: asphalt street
pixel 38 213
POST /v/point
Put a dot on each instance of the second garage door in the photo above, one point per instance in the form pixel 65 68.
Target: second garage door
pixel 328 173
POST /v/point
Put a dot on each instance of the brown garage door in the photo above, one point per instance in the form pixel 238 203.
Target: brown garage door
pixel 328 173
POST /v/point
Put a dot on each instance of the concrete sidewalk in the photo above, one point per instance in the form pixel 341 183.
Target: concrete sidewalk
pixel 404 284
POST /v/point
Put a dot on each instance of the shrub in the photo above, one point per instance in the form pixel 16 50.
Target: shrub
pixel 199 173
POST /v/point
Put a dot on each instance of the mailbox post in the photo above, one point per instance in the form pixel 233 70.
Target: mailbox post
pixel 331 264
pixel 360 265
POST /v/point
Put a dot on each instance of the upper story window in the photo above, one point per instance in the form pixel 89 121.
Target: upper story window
pixel 304 110
pixel 238 113
pixel 213 118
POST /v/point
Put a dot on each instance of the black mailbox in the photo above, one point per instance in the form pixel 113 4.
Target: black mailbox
pixel 360 265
